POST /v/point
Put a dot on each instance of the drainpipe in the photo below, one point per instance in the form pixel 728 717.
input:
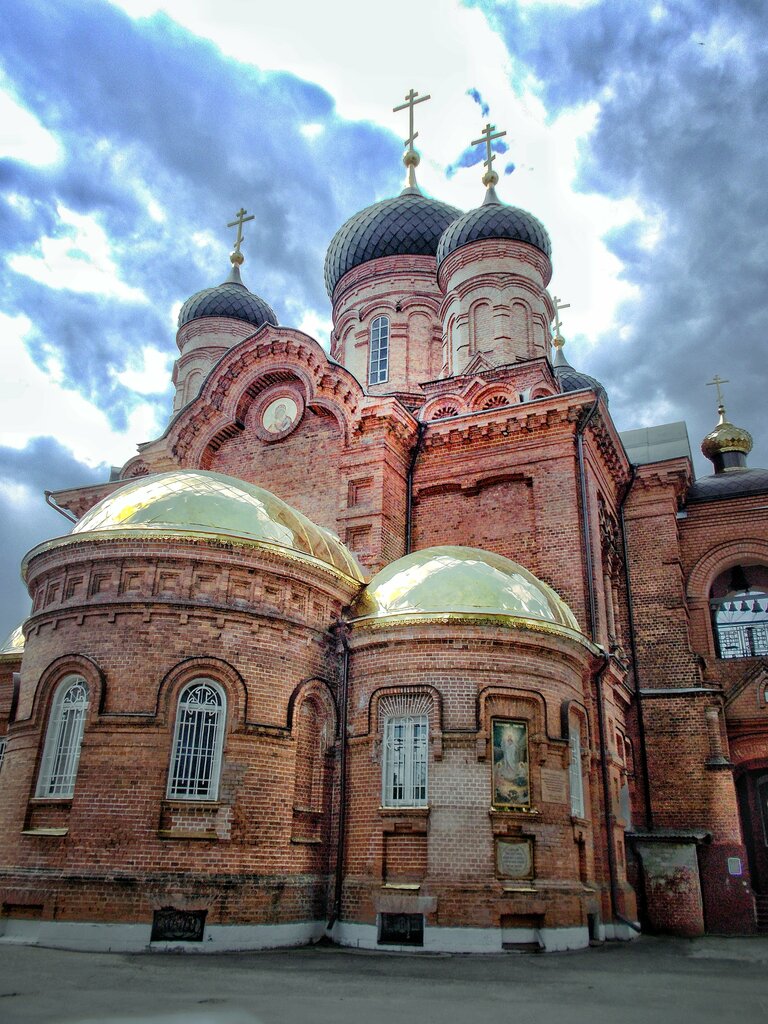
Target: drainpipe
pixel 633 649
pixel 50 501
pixel 422 428
pixel 342 648
pixel 589 568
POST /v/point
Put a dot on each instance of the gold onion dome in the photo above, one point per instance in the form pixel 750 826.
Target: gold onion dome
pixel 726 437
pixel 14 644
pixel 465 582
pixel 197 503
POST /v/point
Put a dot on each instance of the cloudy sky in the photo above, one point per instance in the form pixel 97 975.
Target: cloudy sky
pixel 131 131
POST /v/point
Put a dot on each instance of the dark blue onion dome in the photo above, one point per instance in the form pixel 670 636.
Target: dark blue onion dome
pixel 494 220
pixel 570 379
pixel 407 225
pixel 230 299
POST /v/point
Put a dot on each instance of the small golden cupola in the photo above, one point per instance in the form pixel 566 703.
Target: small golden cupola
pixel 727 446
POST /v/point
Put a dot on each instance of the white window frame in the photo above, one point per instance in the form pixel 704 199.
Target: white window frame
pixel 198 741
pixel 405 761
pixel 378 351
pixel 63 739
pixel 575 776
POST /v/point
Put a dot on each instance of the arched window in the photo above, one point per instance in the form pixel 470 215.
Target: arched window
pixel 739 605
pixel 378 362
pixel 61 754
pixel 197 742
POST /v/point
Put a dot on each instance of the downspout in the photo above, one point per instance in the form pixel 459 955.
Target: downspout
pixel 342 648
pixel 589 567
pixel 50 501
pixel 422 428
pixel 633 650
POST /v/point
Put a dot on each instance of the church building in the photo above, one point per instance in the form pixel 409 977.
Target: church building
pixel 402 645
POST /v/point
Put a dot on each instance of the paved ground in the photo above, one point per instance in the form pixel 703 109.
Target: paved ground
pixel 648 981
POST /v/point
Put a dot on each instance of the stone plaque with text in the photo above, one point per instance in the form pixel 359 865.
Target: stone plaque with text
pixel 514 858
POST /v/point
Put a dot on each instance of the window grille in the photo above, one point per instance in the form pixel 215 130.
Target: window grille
pixel 197 742
pixel 2 750
pixel 378 363
pixel 61 754
pixel 575 777
pixel 741 624
pixel 404 777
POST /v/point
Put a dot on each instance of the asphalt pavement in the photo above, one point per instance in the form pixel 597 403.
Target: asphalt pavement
pixel 650 980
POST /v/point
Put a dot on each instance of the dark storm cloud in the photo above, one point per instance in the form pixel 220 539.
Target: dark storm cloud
pixel 683 91
pixel 144 104
pixel 477 97
pixel 25 474
pixel 474 155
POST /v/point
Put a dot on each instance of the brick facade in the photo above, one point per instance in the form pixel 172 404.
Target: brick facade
pixel 471 442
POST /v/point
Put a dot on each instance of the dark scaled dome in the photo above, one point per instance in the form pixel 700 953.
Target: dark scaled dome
pixel 230 299
pixel 408 225
pixel 494 220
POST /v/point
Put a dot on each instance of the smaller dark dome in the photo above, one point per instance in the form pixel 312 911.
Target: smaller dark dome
pixel 407 225
pixel 231 299
pixel 571 380
pixel 494 220
pixel 731 483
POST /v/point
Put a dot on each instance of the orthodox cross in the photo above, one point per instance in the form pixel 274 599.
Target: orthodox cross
pixel 716 381
pixel 240 219
pixel 488 136
pixel 558 322
pixel 410 103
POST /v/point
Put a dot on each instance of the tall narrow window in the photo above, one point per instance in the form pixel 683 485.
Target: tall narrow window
pixel 378 364
pixel 61 754
pixel 575 777
pixel 404 779
pixel 2 750
pixel 197 742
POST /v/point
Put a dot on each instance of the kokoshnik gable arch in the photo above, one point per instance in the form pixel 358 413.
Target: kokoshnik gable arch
pixel 542 720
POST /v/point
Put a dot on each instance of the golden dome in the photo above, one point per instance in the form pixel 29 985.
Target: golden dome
pixel 14 644
pixel 193 503
pixel 458 581
pixel 726 437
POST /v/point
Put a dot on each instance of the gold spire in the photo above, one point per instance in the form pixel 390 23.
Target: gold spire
pixel 411 157
pixel 236 258
pixel 489 136
pixel 726 437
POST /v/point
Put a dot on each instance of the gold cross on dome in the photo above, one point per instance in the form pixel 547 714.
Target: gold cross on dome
pixel 488 136
pixel 716 381
pixel 558 322
pixel 410 103
pixel 240 219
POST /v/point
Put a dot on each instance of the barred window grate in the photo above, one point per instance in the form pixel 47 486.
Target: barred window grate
pixel 61 754
pixel 378 364
pixel 197 742
pixel 404 779
pixel 2 750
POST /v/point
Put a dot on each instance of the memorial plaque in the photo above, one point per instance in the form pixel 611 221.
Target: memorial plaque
pixel 514 858
pixel 401 929
pixel 553 787
pixel 171 925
